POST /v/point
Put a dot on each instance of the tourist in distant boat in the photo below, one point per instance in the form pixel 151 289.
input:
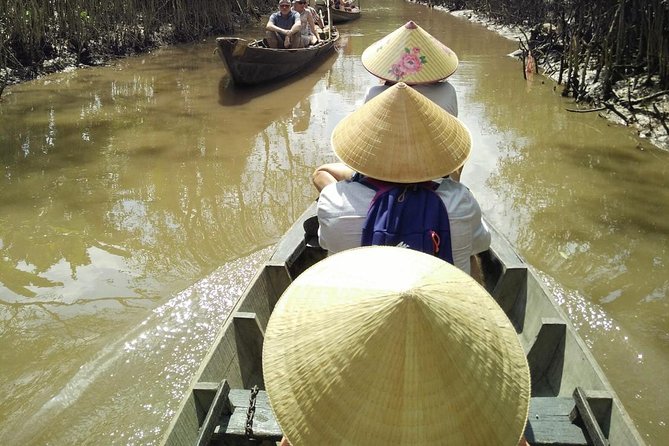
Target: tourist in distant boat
pixel 387 346
pixel 401 137
pixel 320 26
pixel 308 33
pixel 343 5
pixel 283 28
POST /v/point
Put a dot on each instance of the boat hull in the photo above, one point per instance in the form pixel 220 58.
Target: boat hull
pixel 569 390
pixel 251 64
pixel 339 16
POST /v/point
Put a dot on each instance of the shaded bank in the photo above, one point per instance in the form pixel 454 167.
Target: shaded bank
pixel 44 36
pixel 613 56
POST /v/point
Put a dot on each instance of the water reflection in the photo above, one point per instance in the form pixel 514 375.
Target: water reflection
pixel 585 201
pixel 150 367
pixel 122 186
pixel 154 170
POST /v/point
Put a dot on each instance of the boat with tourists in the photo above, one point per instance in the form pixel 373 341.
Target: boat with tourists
pixel 253 62
pixel 572 401
pixel 338 15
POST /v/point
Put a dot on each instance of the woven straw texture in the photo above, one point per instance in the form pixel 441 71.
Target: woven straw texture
pixel 384 345
pixel 410 54
pixel 403 137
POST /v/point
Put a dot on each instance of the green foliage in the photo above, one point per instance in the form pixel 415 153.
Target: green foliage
pixel 34 31
pixel 616 37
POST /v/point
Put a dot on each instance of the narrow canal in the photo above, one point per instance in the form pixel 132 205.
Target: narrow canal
pixel 137 200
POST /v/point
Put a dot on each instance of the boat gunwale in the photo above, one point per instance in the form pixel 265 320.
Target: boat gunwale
pixel 292 246
pixel 500 248
pixel 340 16
pixel 286 251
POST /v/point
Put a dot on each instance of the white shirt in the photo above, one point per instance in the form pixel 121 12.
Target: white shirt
pixel 442 93
pixel 305 31
pixel 342 209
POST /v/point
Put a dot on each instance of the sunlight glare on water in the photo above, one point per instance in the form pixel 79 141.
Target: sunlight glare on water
pixel 150 366
pixel 582 312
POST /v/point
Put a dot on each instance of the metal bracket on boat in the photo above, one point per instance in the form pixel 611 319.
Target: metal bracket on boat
pixel 251 411
pixel 232 426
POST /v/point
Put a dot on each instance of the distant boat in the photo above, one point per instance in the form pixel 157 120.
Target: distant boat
pixel 253 63
pixel 338 15
pixel 572 401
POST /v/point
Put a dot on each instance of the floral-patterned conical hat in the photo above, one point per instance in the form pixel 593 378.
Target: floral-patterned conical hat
pixel 410 55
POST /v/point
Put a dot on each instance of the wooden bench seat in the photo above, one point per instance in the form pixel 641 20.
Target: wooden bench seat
pixel 233 426
pixel 583 419
pixel 225 420
pixel 552 420
pixel 549 422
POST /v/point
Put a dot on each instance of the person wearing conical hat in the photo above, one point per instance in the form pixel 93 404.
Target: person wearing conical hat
pixel 400 136
pixel 383 345
pixel 413 56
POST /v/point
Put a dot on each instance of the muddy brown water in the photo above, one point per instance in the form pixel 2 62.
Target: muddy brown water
pixel 137 200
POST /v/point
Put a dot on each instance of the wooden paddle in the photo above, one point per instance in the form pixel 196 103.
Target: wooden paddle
pixel 327 5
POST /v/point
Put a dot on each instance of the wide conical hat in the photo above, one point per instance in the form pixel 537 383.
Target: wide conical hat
pixel 384 345
pixel 403 137
pixel 411 55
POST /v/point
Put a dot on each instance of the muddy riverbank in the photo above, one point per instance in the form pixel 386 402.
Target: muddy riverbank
pixel 44 38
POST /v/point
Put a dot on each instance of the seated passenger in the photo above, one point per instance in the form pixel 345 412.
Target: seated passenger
pixel 401 137
pixel 317 18
pixel 283 28
pixel 343 5
pixel 388 346
pixel 308 33
pixel 425 67
pixel 331 173
pixel 411 55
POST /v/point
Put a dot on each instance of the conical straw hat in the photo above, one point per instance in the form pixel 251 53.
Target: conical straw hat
pixel 410 54
pixel 403 137
pixel 386 345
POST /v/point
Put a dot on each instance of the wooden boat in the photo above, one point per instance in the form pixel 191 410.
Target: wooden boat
pixel 338 15
pixel 252 63
pixel 572 401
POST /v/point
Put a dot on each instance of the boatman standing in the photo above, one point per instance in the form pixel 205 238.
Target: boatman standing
pixel 283 28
